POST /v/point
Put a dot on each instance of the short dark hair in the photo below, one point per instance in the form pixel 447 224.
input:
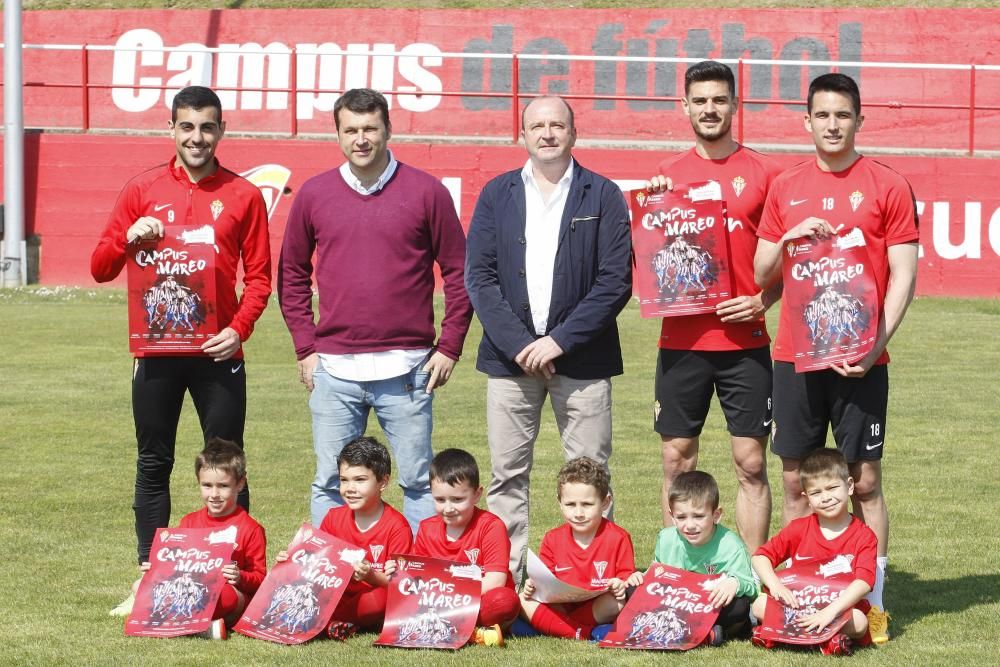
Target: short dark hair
pixel 709 70
pixel 572 116
pixel 223 455
pixel 366 452
pixel 362 100
pixel 823 463
pixel 196 97
pixel 835 83
pixel 454 466
pixel 695 486
pixel 584 470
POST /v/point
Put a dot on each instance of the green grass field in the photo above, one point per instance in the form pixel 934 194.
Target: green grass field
pixel 68 456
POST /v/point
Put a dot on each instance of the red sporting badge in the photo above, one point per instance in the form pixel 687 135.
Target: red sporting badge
pixel 432 603
pixel 681 248
pixel 670 610
pixel 831 293
pixel 178 594
pixel 298 597
pixel 814 588
pixel 171 292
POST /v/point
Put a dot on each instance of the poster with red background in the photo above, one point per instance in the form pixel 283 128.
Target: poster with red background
pixel 299 595
pixel 171 292
pixel 669 611
pixel 831 291
pixel 681 247
pixel 432 603
pixel 814 587
pixel 178 594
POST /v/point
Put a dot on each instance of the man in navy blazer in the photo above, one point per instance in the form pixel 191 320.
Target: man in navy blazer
pixel 548 269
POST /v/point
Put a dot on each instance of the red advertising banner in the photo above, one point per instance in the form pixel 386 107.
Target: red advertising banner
pixel 298 597
pixel 830 289
pixel 670 611
pixel 432 603
pixel 681 248
pixel 171 292
pixel 814 587
pixel 179 592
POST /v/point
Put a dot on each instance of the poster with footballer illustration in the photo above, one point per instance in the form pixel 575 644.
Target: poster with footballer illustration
pixel 297 599
pixel 171 292
pixel 833 299
pixel 815 587
pixel 669 611
pixel 432 603
pixel 682 253
pixel 179 592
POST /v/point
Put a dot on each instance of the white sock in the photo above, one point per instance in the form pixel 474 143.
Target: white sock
pixel 875 596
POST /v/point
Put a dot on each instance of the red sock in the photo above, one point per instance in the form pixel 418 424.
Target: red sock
pixel 365 609
pixel 552 622
pixel 228 602
pixel 498 606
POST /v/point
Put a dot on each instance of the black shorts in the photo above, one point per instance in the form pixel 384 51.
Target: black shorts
pixel 685 381
pixel 806 403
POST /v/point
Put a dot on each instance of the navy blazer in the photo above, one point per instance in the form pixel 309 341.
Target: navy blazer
pixel 591 282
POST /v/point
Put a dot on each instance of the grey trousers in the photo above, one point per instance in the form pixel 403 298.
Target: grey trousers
pixel 582 410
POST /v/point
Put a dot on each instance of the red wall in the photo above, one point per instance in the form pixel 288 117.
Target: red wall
pixel 74 179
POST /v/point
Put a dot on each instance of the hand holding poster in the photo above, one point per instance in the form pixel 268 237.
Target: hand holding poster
pixel 171 292
pixel 432 603
pixel 550 589
pixel 830 289
pixel 670 610
pixel 814 587
pixel 179 592
pixel 681 248
pixel 299 595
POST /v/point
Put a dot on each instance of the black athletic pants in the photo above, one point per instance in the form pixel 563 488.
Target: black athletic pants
pixel 218 390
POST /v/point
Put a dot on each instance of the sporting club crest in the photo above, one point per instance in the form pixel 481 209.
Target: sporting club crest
pixel 856 199
pixel 738 184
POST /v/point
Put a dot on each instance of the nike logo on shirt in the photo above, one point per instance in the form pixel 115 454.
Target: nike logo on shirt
pixel 563 569
pixel 160 207
pixel 796 202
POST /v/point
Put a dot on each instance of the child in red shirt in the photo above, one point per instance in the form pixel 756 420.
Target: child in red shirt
pixel 462 532
pixel 830 533
pixel 587 551
pixel 366 521
pixel 221 472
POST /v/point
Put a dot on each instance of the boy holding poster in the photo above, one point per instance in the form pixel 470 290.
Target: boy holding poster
pixel 462 532
pixel 697 543
pixel 587 551
pixel 366 521
pixel 221 471
pixel 831 538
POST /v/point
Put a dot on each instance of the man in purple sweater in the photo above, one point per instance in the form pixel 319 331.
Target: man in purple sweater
pixel 377 226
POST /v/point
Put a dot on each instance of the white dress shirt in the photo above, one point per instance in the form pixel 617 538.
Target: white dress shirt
pixel 541 235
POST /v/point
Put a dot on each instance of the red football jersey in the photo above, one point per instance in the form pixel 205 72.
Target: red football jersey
pixel 609 556
pixel 484 543
pixel 802 540
pixel 867 194
pixel 251 543
pixel 389 535
pixel 745 177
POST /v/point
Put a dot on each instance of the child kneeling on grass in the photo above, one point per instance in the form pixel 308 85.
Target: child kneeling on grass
pixel 587 551
pixel 831 532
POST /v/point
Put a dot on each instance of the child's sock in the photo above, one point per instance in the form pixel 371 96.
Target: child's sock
pixel 554 624
pixel 499 606
pixel 875 596
pixel 229 600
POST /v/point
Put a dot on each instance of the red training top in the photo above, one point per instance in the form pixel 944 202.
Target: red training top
pixel 389 535
pixel 609 555
pixel 251 543
pixel 484 543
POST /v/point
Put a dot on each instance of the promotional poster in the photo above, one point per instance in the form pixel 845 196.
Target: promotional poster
pixel 299 595
pixel 814 587
pixel 830 289
pixel 669 611
pixel 681 246
pixel 178 594
pixel 432 603
pixel 171 292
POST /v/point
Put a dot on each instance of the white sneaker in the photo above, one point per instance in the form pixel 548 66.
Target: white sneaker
pixel 217 630
pixel 124 608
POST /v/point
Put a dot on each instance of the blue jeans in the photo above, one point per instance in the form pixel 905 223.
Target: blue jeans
pixel 340 414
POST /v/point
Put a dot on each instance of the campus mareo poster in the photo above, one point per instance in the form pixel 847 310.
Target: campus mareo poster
pixel 815 586
pixel 681 246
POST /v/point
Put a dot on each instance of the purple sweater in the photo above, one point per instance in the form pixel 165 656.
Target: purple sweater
pixel 375 259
